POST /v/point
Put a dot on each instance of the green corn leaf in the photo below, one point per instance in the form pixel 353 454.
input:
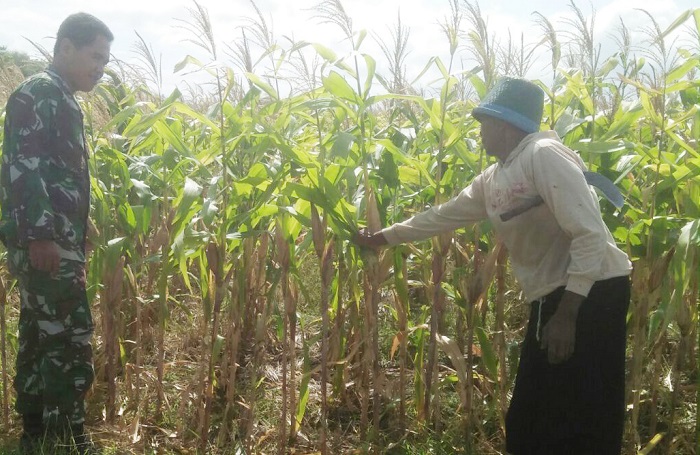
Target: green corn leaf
pixel 623 123
pixel 331 57
pixel 443 69
pixel 677 23
pixel 126 215
pixel 188 60
pixel 566 123
pixel 609 65
pixel 130 113
pixel 338 86
pixel 489 355
pixel 217 348
pixel 142 190
pixel 361 35
pixel 267 88
pixel 681 71
pixel 325 52
pixel 206 121
pixel 371 70
pixel 451 348
pixel 191 192
pixel 304 386
pixel 142 213
pixel 682 143
pixel 479 85
pixel 600 146
pixel 407 160
pixel 649 108
pixel 136 127
pixel 166 132
pixel 342 143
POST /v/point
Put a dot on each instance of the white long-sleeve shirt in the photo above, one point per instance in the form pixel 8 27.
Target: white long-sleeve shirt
pixel 561 242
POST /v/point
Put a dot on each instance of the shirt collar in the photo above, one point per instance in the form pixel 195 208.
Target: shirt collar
pixel 51 71
pixel 527 140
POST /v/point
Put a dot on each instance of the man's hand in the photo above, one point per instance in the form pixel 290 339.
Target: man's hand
pixel 374 241
pixel 559 334
pixel 43 256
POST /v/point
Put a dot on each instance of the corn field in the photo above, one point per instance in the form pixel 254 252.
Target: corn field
pixel 233 314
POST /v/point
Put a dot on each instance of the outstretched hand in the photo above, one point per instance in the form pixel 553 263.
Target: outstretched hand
pixel 365 239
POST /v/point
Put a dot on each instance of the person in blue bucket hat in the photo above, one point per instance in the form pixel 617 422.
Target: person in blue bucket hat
pixel 569 394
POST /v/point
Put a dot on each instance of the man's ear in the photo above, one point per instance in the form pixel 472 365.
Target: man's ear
pixel 65 47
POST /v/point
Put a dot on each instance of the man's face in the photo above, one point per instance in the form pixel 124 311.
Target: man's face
pixel 84 66
pixel 492 136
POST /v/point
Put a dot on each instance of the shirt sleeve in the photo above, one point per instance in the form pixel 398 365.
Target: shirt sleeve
pixel 559 179
pixel 465 208
pixel 30 120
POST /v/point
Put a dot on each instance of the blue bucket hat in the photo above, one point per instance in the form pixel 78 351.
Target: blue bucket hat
pixel 515 101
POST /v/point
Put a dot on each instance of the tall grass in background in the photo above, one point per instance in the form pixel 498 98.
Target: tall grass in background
pixel 234 313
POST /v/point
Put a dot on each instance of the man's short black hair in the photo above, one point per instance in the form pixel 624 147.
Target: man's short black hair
pixel 81 29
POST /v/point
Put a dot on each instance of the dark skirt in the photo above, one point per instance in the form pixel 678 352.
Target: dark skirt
pixel 576 407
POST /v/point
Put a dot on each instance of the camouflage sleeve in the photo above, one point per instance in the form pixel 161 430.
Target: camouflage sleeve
pixel 32 115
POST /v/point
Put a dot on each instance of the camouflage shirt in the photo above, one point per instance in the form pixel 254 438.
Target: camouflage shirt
pixel 44 180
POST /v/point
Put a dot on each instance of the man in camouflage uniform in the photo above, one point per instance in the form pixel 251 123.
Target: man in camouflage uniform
pixel 45 188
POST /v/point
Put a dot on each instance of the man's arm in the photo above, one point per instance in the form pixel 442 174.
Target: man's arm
pixel 467 207
pixel 30 115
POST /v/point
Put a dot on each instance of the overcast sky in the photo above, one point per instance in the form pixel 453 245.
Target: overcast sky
pixel 156 21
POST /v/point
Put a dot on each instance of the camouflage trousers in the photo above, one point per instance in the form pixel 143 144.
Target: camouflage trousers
pixel 54 362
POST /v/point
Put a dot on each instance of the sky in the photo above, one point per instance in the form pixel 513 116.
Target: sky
pixel 158 21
